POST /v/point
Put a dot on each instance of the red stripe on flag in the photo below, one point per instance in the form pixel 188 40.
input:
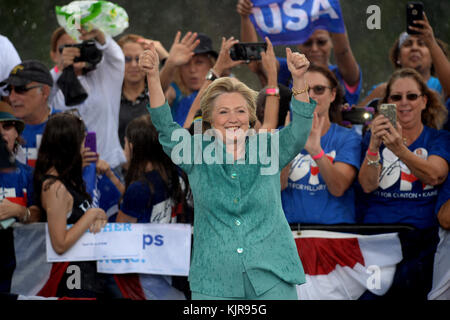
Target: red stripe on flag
pixel 130 286
pixel 51 286
pixel 321 255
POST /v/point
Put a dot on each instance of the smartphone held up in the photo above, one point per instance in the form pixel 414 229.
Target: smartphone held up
pixel 247 50
pixel 414 11
pixel 389 110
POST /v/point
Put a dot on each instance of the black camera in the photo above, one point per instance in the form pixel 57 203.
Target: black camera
pixel 88 52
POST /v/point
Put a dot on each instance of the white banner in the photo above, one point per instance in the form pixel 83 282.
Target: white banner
pixel 132 248
pixel 112 242
pixel 164 249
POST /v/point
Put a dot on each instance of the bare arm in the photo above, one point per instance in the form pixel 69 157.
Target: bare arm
pixel 444 215
pixel 272 104
pixel 338 176
pixel 180 53
pixel 440 60
pixel 346 62
pixel 248 34
pixel 124 218
pixel 57 202
pixel 222 65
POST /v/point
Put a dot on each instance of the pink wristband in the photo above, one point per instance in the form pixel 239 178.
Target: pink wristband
pixel 370 153
pixel 273 91
pixel 319 155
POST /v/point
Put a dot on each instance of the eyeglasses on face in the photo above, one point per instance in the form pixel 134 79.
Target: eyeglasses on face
pixel 128 59
pixel 21 89
pixel 409 96
pixel 318 89
pixel 319 42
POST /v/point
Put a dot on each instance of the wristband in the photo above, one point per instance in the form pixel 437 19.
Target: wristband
pixel 319 155
pixel 273 92
pixel 370 153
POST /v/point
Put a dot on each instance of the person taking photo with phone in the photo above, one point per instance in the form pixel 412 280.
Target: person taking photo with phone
pixel 402 166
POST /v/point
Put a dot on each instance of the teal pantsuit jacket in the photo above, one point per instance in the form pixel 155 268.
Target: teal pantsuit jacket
pixel 239 223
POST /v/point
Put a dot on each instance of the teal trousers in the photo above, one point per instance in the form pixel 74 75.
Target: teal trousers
pixel 281 291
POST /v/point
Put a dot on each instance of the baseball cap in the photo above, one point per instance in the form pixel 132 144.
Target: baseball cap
pixel 205 45
pixel 28 71
pixel 6 114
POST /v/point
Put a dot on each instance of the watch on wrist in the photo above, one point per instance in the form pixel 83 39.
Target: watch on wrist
pixel 210 75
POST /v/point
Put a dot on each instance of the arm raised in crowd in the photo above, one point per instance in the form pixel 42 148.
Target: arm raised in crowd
pixel 440 60
pixel 223 64
pixel 180 53
pixel 248 34
pixel 345 60
pixel 272 104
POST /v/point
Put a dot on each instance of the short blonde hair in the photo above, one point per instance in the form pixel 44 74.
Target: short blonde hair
pixel 226 85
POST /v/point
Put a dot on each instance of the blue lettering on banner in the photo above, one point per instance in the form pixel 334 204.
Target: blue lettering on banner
pixel 293 21
pixel 121 227
pixel 148 240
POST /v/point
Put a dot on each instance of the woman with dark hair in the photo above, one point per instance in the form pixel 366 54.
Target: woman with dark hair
pixel 154 187
pixel 316 186
pixel 400 173
pixel 155 192
pixel 61 194
pixel 423 53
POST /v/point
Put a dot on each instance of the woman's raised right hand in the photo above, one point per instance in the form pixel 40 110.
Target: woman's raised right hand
pixel 149 60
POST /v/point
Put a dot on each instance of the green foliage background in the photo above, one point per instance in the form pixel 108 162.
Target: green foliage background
pixel 29 24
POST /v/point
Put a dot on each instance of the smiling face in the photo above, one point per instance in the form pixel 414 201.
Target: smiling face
pixel 409 111
pixel 230 116
pixel 194 72
pixel 415 54
pixel 317 48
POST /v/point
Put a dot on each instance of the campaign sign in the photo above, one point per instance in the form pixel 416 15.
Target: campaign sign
pixel 293 21
pixel 112 242
pixel 165 249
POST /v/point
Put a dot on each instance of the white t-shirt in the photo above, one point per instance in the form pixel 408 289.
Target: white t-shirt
pixel 9 58
pixel 100 111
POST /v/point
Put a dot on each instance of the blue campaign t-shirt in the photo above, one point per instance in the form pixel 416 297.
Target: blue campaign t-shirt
pixel 148 206
pixel 443 195
pixel 181 105
pixel 17 185
pixel 284 77
pixel 306 198
pixel 401 198
pixel 32 135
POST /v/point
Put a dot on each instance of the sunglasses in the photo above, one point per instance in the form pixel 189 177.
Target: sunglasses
pixel 409 96
pixel 8 125
pixel 319 42
pixel 21 89
pixel 319 90
pixel 128 59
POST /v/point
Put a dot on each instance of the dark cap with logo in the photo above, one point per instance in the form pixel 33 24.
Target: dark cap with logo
pixel 28 71
pixel 205 45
